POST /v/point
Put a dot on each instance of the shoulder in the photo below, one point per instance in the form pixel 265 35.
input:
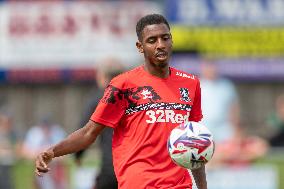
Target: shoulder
pixel 184 76
pixel 122 80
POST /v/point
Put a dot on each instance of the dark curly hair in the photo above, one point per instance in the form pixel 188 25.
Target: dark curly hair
pixel 149 19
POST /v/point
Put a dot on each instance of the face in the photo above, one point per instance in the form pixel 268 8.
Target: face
pixel 156 44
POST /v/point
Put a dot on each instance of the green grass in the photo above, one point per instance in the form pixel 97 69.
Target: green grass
pixel 23 174
pixel 276 160
pixel 23 171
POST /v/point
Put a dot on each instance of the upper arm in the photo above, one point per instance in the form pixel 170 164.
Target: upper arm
pixel 111 107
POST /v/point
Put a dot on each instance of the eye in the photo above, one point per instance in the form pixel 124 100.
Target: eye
pixel 166 37
pixel 151 40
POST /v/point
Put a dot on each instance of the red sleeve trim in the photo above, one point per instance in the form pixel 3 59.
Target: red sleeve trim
pixel 102 121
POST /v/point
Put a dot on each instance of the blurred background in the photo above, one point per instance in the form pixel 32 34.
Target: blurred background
pixel 51 51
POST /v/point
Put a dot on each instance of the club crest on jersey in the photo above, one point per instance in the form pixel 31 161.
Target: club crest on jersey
pixel 184 94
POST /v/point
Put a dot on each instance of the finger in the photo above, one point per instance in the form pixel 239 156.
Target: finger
pixel 38 173
pixel 40 166
pixel 44 159
pixel 43 164
pixel 42 169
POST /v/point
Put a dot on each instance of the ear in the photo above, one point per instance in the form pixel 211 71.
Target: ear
pixel 139 47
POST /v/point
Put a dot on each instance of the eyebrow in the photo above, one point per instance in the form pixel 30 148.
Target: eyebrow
pixel 160 35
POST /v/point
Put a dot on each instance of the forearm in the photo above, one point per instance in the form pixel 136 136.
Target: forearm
pixel 77 141
pixel 200 177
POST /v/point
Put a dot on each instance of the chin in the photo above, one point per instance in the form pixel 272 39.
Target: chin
pixel 162 64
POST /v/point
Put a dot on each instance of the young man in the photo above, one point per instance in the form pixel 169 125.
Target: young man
pixel 143 106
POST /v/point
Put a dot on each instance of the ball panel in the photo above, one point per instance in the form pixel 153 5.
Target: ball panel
pixel 190 145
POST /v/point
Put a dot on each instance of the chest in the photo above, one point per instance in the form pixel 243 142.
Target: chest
pixel 160 92
pixel 161 102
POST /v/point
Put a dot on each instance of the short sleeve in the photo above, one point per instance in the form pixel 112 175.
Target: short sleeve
pixel 196 112
pixel 111 107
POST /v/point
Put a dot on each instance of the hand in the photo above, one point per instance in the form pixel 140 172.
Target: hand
pixel 42 161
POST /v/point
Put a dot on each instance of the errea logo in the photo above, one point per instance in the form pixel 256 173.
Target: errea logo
pixel 185 75
pixel 146 94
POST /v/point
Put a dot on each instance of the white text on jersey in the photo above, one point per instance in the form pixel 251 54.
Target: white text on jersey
pixel 163 116
pixel 185 75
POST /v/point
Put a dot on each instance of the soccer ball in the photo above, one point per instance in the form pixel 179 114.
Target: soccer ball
pixel 190 145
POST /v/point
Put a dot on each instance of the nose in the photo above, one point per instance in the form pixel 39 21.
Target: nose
pixel 161 44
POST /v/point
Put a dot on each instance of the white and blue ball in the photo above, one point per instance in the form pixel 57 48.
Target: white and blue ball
pixel 190 145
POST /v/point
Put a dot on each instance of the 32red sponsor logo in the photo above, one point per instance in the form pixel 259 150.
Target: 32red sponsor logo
pixel 166 116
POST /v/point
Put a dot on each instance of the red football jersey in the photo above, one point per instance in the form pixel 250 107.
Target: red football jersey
pixel 143 109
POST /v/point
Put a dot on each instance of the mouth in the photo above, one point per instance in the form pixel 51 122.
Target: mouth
pixel 162 55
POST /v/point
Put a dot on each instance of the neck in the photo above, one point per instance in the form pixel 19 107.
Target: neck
pixel 158 71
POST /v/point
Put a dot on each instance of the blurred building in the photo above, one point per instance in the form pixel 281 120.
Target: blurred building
pixel 244 38
pixel 49 49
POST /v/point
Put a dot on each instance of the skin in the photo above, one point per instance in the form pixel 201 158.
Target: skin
pixel 156 45
pixel 78 140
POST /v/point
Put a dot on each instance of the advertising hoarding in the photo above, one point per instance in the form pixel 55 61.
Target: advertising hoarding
pixel 44 34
